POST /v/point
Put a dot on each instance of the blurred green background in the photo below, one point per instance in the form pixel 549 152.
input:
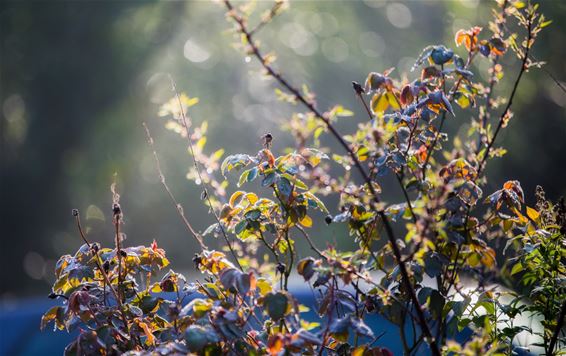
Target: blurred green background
pixel 78 78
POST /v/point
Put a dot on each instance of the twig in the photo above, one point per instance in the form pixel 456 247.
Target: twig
pixel 406 195
pixel 197 168
pixel 270 15
pixel 269 247
pixel 178 206
pixel 485 115
pixel 502 118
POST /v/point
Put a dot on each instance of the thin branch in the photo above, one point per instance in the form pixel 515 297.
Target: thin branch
pixel 407 199
pixel 269 247
pixel 178 206
pixel 269 16
pixel 484 116
pixel 503 117
pixel 197 168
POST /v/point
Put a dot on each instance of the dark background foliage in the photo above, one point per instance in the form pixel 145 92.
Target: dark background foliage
pixel 77 80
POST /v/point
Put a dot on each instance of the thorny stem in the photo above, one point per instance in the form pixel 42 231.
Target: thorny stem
pixel 178 206
pixel 388 228
pixel 197 168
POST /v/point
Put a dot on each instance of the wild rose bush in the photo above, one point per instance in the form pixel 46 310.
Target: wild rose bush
pixel 433 264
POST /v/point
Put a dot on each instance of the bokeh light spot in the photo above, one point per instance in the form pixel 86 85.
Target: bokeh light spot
pixel 371 44
pixel 34 265
pixel 399 15
pixel 335 49
pixel 194 52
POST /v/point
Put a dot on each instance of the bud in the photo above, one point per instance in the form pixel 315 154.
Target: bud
pixel 106 265
pixel 75 212
pixel 116 209
pixel 328 219
pixel 358 88
pixel 197 260
pixel 281 267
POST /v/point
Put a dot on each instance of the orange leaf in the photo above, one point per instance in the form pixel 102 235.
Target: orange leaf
pixel 275 344
pixel 269 156
pixel 150 338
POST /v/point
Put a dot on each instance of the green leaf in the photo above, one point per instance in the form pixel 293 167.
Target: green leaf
pixel 235 162
pixel 253 214
pixel 284 186
pixel 241 226
pixel 295 181
pixel 253 174
pixel 269 179
pixel 319 203
pixel 276 305
pixel 516 268
pixel 197 337
pixel 243 178
pixel 210 229
pixel 546 23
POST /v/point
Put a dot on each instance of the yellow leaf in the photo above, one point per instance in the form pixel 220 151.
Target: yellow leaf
pixel 392 100
pixel 359 351
pixel 263 286
pixel 306 221
pixel 252 198
pixel 234 197
pixel 201 142
pixel 379 103
pixel 488 257
pixel 532 213
pixel 507 225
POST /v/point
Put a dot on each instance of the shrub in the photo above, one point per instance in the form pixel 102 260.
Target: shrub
pixel 433 265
